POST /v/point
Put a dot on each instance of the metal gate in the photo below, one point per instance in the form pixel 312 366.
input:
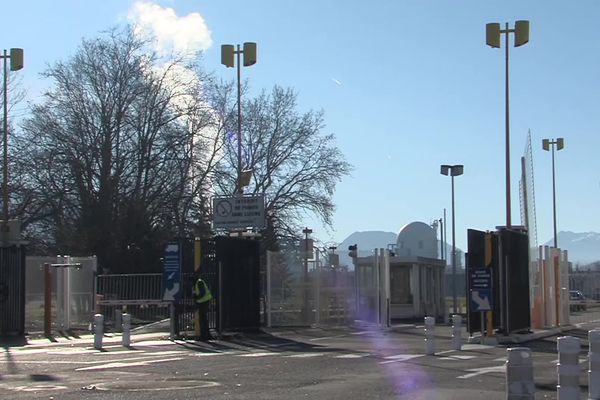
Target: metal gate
pixel 12 290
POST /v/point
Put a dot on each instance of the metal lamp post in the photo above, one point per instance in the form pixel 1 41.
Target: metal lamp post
pixel 453 170
pixel 16 63
pixel 227 59
pixel 559 144
pixel 521 32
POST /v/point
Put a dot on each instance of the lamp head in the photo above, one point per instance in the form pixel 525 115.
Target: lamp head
pixel 457 170
pixel 227 55
pixel 546 144
pixel 16 59
pixel 445 169
pixel 560 143
pixel 249 54
pixel 521 33
pixel 492 34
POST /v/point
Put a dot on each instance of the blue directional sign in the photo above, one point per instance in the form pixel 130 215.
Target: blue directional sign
pixel 172 272
pixel 480 289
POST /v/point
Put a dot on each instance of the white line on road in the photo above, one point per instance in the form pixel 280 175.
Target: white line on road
pixel 399 358
pixel 481 371
pixel 345 356
pixel 306 355
pixel 264 354
pixel 127 365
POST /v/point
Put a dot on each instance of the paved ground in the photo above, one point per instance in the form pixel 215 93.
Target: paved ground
pixel 301 363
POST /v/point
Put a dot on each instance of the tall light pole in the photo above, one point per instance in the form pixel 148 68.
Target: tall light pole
pixel 559 144
pixel 16 63
pixel 453 170
pixel 227 53
pixel 521 32
pixel 307 248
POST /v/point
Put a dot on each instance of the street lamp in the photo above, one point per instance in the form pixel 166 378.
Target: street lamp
pixel 521 32
pixel 559 144
pixel 453 170
pixel 227 53
pixel 307 248
pixel 16 63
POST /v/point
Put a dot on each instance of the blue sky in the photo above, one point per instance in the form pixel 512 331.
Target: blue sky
pixel 405 86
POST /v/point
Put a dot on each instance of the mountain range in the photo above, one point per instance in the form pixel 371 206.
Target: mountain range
pixel 583 247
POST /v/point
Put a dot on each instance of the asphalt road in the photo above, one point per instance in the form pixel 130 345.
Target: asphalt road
pixel 302 363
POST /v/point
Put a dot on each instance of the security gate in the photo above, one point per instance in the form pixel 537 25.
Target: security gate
pixel 12 290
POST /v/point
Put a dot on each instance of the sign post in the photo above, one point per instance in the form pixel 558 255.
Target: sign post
pixel 172 281
pixel 239 212
pixel 481 295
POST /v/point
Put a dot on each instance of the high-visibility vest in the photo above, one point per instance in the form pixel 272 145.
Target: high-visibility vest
pixel 197 290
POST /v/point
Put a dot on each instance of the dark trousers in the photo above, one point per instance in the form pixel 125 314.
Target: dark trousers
pixel 203 313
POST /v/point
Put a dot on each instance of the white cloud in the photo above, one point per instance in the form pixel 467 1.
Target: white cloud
pixel 182 34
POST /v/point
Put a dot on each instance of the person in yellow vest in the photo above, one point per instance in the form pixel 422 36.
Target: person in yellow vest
pixel 202 296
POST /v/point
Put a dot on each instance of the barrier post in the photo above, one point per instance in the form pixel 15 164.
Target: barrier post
pixel 98 330
pixel 568 368
pixel 456 332
pixel 429 336
pixel 126 330
pixel 594 365
pixel 519 374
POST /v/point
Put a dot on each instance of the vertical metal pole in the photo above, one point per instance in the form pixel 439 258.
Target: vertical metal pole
pixel 508 223
pixel 238 185
pixel 554 196
pixel 5 154
pixel 441 240
pixel 197 259
pixel 47 300
pixel 317 291
pixel 220 301
pixel 454 305
pixel 269 261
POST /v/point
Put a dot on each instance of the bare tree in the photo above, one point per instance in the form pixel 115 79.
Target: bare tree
pixel 112 156
pixel 294 164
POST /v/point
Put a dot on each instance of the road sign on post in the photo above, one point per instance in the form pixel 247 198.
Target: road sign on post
pixel 172 272
pixel 239 212
pixel 480 289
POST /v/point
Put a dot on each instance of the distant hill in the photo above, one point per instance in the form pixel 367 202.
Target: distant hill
pixel 584 247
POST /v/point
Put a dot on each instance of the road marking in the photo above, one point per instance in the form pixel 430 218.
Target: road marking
pixel 127 365
pixel 481 371
pixel 306 355
pixel 360 333
pixel 476 346
pixel 346 356
pixel 457 357
pixel 399 358
pixel 327 337
pixel 264 354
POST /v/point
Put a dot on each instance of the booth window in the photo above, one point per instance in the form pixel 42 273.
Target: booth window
pixel 400 285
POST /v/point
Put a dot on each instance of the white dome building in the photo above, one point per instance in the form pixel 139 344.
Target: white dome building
pixel 417 239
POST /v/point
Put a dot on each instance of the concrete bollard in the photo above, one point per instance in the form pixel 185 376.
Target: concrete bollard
pixel 568 368
pixel 519 374
pixel 126 330
pixel 456 332
pixel 594 365
pixel 429 336
pixel 98 330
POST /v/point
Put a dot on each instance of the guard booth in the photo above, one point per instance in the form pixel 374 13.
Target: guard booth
pixel 231 268
pixel 391 287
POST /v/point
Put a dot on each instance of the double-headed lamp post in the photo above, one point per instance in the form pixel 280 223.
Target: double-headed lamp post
pixel 453 170
pixel 559 144
pixel 16 63
pixel 492 37
pixel 227 53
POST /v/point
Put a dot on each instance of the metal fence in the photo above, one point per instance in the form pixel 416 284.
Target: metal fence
pixel 321 296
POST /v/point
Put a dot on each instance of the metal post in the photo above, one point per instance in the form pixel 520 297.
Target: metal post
pixel 429 336
pixel 98 330
pixel 454 301
pixel 568 368
pixel 126 337
pixel 238 184
pixel 554 198
pixel 456 332
pixel 5 154
pixel 594 365
pixel 508 223
pixel 519 374
pixel 47 300
pixel 269 261
pixel 317 291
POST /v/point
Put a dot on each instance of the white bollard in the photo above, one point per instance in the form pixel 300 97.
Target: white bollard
pixel 98 330
pixel 594 365
pixel 456 332
pixel 126 330
pixel 568 368
pixel 429 336
pixel 519 374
